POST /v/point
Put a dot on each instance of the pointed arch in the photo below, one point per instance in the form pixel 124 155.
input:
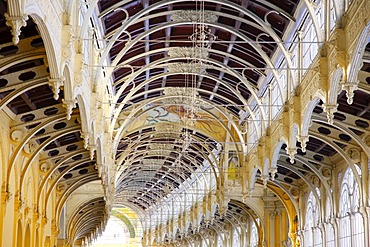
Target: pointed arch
pixel 84 112
pixel 351 225
pixel 312 233
pixel 253 177
pixel 355 62
pixel 32 9
pixel 306 122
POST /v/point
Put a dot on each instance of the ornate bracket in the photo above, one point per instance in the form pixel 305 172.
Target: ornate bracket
pixel 54 227
pixel 69 105
pixel 291 151
pixel 44 219
pixel 303 140
pixel 18 202
pixel 264 178
pixel 92 149
pixel 350 89
pixel 55 84
pixel 16 23
pixel 86 137
pixel 330 110
pixel 5 197
pixel 273 171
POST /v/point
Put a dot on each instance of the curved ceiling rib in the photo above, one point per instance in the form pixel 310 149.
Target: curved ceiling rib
pixel 168 167
pixel 110 19
pixel 187 72
pixel 326 144
pixel 41 136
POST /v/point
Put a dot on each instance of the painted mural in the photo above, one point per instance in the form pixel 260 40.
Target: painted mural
pixel 184 116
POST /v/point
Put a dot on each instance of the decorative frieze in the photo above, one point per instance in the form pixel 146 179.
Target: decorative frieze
pixel 162 149
pixel 194 16
pixel 188 52
pixel 187 68
pixel 167 130
pixel 152 164
pixel 184 96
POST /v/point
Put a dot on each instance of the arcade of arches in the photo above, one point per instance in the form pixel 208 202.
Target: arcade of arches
pixel 213 122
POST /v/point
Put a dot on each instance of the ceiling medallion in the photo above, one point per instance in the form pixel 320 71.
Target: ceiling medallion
pixel 186 68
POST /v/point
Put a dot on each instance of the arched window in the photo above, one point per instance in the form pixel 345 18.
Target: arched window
pixel 319 13
pixel 236 238
pixel 329 227
pixel 333 15
pixel 254 235
pixel 219 241
pixel 312 234
pixel 205 243
pixel 351 228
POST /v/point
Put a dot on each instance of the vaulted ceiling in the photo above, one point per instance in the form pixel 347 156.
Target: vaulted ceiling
pixel 178 71
pixel 184 62
pixel 179 65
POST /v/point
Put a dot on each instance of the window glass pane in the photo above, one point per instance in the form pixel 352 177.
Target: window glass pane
pixel 236 241
pixel 312 234
pixel 330 236
pixel 254 235
pixel 351 228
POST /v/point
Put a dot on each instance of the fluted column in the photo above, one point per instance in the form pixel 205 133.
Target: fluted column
pixel 280 240
pixel 272 227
